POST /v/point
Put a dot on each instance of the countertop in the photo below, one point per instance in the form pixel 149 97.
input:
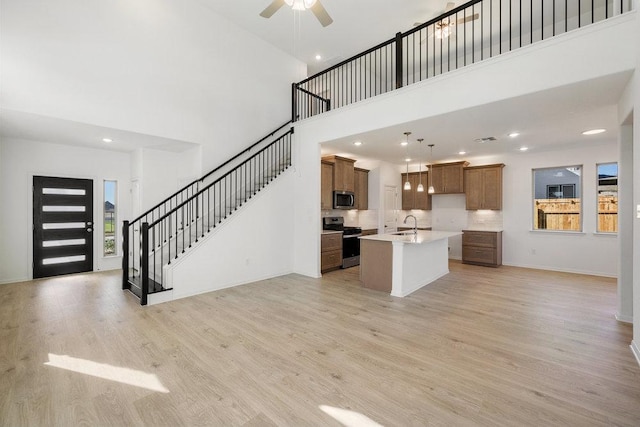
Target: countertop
pixel 491 229
pixel 331 232
pixel 423 237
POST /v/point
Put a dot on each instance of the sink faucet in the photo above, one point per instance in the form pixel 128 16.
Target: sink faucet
pixel 415 223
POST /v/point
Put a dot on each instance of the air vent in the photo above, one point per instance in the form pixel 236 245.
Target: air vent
pixel 485 139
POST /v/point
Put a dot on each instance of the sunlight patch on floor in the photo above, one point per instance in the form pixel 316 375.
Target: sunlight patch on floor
pixel 108 372
pixel 349 418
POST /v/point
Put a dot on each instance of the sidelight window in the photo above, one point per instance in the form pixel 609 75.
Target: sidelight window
pixel 607 188
pixel 110 221
pixel 557 198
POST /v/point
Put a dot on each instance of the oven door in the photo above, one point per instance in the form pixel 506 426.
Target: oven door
pixel 351 250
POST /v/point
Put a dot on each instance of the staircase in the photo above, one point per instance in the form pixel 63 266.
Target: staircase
pixel 165 232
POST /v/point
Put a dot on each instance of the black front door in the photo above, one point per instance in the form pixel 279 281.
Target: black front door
pixel 62 226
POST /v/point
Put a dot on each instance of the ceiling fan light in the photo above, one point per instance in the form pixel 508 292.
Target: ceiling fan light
pixel 309 3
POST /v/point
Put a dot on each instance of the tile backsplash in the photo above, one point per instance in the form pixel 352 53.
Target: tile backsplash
pixel 482 219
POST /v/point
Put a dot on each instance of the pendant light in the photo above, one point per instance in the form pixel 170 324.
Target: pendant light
pixel 420 188
pixel 407 184
pixel 430 178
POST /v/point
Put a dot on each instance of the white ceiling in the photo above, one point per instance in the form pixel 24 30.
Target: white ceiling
pixel 547 120
pixel 544 120
pixel 357 25
pixel 20 125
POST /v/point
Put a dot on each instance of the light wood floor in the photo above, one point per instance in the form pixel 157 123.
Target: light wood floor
pixel 481 346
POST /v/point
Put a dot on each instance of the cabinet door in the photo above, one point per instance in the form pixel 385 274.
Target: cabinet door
pixel 362 189
pixel 437 178
pixel 492 188
pixel 422 200
pixel 473 188
pixel 453 179
pixel 343 175
pixel 407 195
pixel 326 186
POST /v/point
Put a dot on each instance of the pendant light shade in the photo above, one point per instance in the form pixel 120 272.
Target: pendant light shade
pixel 420 188
pixel 431 189
pixel 407 184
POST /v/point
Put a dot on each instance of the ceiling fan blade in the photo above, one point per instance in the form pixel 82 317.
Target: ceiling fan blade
pixel 272 8
pixel 450 6
pixel 321 13
pixel 468 19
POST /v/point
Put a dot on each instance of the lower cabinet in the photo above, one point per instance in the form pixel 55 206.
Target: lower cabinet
pixel 482 247
pixel 330 251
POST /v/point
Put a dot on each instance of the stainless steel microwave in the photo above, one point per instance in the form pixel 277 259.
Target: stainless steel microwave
pixel 344 200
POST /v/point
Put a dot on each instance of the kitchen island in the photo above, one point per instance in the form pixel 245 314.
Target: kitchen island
pixel 402 263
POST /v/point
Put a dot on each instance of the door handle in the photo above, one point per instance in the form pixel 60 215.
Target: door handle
pixel 89 230
pixel 89 223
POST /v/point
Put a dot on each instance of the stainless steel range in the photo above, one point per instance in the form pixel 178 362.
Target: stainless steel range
pixel 350 241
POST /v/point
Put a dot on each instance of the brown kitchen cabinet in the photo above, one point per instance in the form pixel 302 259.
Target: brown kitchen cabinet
pixel 448 178
pixel 361 180
pixel 330 251
pixel 482 248
pixel 343 173
pixel 326 185
pixel 483 187
pixel 412 199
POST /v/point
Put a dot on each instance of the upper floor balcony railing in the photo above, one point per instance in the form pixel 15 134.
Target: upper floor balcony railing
pixel 472 32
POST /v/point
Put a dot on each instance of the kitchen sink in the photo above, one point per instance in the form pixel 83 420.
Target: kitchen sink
pixel 403 233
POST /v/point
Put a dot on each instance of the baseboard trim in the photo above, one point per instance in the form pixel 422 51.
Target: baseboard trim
pixel 636 351
pixel 561 270
pixel 624 319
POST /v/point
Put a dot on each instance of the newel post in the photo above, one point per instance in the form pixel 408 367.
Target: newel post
pixel 125 255
pixel 144 262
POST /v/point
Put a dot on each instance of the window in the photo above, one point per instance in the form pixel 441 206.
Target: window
pixel 607 188
pixel 557 198
pixel 110 221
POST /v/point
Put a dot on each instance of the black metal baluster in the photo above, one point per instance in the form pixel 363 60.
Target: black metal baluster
pixel 531 18
pixel 500 24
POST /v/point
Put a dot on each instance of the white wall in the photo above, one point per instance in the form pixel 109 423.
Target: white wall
pixel 165 68
pixel 162 173
pixel 20 161
pixel 254 243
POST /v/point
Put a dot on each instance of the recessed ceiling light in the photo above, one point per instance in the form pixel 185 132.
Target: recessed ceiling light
pixel 107 140
pixel 407 159
pixel 318 57
pixel 514 134
pixel 357 143
pixel 593 131
pixel 462 153
pixel 524 148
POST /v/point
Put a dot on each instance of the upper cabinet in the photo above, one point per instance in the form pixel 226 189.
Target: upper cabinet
pixel 326 185
pixel 483 187
pixel 413 199
pixel 361 181
pixel 448 178
pixel 343 173
pixel 339 174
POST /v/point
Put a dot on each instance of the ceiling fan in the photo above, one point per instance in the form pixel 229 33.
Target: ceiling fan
pixel 445 27
pixel 314 5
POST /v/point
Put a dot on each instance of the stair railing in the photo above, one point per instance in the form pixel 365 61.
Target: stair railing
pixel 158 236
pixel 469 33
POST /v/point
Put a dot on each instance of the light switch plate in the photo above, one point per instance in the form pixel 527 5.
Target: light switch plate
pixel 638 211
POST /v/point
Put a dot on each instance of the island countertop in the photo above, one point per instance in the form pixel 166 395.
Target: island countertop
pixel 408 237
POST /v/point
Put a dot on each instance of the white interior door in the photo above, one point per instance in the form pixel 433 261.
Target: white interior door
pixel 390 208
